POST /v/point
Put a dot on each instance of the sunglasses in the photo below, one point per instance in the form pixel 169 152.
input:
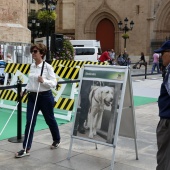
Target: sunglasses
pixel 34 51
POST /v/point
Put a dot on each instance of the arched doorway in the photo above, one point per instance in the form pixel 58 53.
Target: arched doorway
pixel 105 33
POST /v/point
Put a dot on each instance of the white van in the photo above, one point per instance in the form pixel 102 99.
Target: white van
pixel 86 53
pixel 85 43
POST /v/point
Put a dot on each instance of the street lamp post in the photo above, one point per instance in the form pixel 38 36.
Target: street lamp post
pixel 48 59
pixel 34 26
pixel 125 29
pixel 49 6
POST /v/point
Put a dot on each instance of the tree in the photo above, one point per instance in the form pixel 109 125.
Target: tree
pixel 67 53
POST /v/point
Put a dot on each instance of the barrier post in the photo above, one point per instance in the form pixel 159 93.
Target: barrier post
pixel 18 139
pixel 145 69
pixel 19 115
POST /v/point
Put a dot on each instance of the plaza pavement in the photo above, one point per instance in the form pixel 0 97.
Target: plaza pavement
pixel 84 156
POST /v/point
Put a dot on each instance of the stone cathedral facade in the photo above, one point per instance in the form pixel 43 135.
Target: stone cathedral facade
pixel 98 19
pixel 13 21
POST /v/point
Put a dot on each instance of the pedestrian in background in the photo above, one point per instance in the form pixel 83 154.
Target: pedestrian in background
pixel 105 56
pixel 112 54
pixel 121 60
pixel 114 62
pixel 142 60
pixel 45 100
pixel 128 61
pixel 163 128
pixel 155 63
pixel 125 55
pixel 9 60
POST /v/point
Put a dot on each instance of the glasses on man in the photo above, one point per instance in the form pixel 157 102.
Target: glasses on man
pixel 34 51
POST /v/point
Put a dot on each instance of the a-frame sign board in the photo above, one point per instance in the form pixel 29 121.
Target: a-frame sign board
pixel 105 107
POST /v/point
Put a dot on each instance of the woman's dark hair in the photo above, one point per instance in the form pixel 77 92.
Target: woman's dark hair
pixel 142 53
pixel 41 47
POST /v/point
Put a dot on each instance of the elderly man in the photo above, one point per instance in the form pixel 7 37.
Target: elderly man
pixel 163 128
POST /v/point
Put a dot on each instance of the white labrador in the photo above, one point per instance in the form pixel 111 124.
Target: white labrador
pixel 98 97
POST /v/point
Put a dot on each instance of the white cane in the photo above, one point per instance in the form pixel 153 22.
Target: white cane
pixel 12 113
pixel 33 109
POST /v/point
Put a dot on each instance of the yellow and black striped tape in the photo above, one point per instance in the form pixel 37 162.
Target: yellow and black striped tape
pixel 11 95
pixel 25 98
pixel 64 104
pixel 67 72
pixel 67 63
pixel 77 85
pixel 24 68
pixel 13 67
pixel 8 95
pixel 72 63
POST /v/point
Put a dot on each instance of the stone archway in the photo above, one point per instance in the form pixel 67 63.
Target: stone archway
pixel 162 25
pixel 96 18
pixel 105 33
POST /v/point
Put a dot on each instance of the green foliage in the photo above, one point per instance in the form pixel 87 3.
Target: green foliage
pixel 125 36
pixel 46 15
pixel 42 28
pixel 67 53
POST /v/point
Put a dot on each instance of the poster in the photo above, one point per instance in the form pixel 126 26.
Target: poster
pixel 98 104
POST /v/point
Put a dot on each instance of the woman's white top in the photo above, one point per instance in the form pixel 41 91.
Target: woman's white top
pixel 48 75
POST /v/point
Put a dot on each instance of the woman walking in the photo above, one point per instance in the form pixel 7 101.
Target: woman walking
pixel 44 102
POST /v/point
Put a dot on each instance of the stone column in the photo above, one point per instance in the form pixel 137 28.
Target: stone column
pixel 13 21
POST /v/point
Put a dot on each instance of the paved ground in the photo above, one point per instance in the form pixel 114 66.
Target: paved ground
pixel 84 156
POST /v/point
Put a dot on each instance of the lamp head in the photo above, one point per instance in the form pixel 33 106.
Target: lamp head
pixel 120 25
pixel 29 24
pixel 126 20
pixel 131 25
pixel 33 20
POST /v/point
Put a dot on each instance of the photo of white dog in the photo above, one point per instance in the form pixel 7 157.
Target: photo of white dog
pixel 99 97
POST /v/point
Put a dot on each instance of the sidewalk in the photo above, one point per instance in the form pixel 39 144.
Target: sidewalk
pixel 84 156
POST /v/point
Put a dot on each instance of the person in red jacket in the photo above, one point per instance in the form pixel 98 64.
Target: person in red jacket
pixel 105 56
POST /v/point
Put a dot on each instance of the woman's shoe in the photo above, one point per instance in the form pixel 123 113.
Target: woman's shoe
pixel 22 153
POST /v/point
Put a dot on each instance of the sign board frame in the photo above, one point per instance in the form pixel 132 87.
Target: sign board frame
pixel 121 121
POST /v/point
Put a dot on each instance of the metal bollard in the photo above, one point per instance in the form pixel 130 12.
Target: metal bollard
pixel 18 139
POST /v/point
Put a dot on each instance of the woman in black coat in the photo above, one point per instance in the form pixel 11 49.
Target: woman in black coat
pixel 142 60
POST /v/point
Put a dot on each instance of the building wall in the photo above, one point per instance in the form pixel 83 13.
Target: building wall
pixel 13 21
pixel 151 18
pixel 79 19
pixel 115 11
pixel 66 17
